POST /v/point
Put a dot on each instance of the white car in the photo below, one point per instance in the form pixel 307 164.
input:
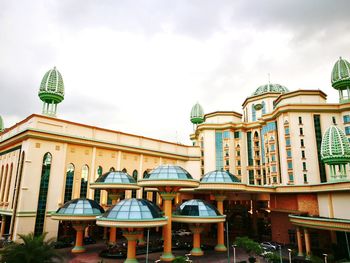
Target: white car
pixel 268 246
pixel 183 232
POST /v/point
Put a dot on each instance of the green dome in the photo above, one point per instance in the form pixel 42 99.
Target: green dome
pixel 80 207
pixel 1 124
pixel 219 176
pixel 270 88
pixel 335 147
pixel 197 207
pixel 51 87
pixel 341 74
pixel 168 172
pixel 197 114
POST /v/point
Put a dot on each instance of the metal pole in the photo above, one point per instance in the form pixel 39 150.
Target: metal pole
pixel 325 258
pixel 347 243
pixel 228 243
pixel 234 253
pixel 281 254
pixel 290 255
pixel 147 245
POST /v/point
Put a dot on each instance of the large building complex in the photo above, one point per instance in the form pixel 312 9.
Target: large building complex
pixel 289 149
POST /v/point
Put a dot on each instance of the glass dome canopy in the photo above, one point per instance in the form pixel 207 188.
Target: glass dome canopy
pixel 115 180
pixel 197 211
pixel 133 213
pixel 219 176
pixel 80 209
pixel 169 175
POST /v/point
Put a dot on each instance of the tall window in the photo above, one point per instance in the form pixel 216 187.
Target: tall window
pixel 347 130
pixel 84 181
pixel 263 109
pixel 134 175
pixel 300 120
pixel 44 187
pixel 3 184
pixel 302 142
pixel 253 113
pixel 8 184
pixel 303 154
pixel 346 118
pixel 69 183
pixel 97 192
pixel 301 132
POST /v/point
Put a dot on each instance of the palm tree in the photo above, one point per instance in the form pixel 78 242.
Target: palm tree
pixel 33 249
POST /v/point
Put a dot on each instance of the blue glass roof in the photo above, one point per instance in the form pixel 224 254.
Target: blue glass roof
pixel 116 177
pixel 170 172
pixel 133 209
pixel 196 207
pixel 219 176
pixel 81 206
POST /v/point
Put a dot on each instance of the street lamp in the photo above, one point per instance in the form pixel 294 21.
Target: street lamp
pixel 290 255
pixel 234 253
pixel 325 257
pixel 280 253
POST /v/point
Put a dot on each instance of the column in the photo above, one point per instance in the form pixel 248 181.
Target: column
pixel 79 245
pixel 307 243
pixel 220 247
pixel 300 242
pixel 196 250
pixel 3 223
pixel 132 238
pixel 114 195
pixel 167 253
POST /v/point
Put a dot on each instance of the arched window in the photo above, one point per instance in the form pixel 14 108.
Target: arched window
pixel 44 187
pixel 68 191
pixel 112 169
pixel 84 181
pixel 253 113
pixel 145 173
pixel 256 134
pixel 3 186
pixel 134 175
pixel 124 170
pixel 7 195
pixel 263 109
pixel 97 192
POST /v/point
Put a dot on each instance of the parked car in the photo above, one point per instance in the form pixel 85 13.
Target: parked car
pixel 183 232
pixel 268 246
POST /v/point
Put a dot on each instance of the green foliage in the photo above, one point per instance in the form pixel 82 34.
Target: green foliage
pixel 34 249
pixel 180 259
pixel 249 245
pixel 273 257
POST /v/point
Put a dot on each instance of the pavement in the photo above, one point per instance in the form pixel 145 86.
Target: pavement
pixel 92 256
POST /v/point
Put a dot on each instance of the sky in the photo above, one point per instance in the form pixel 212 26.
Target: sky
pixel 138 66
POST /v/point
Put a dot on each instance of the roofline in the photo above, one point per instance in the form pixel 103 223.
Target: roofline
pixel 88 126
pixel 267 94
pixel 226 113
pixel 300 92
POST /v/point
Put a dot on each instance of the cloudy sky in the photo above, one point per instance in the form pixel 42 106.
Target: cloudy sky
pixel 139 66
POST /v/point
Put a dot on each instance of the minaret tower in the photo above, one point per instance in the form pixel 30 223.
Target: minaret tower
pixel 341 79
pixel 197 114
pixel 51 91
pixel 335 152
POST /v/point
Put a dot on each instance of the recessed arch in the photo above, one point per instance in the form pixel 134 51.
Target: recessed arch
pixel 84 181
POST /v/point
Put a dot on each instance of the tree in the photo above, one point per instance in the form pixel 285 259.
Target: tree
pixel 250 246
pixel 33 249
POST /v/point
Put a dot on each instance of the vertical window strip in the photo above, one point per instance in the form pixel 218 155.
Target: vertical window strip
pixel 7 194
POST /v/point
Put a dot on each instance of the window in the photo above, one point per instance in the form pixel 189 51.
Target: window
pixel 305 178
pixel 134 175
pixel 273 168
pixel 226 154
pixel 97 192
pixel 251 177
pixel 302 142
pixel 300 120
pixel 218 150
pixel 263 109
pixel 346 118
pixel 237 134
pixel 226 135
pixel 289 153
pixel 290 165
pixel 287 142
pixel 238 163
pixel 69 183
pixel 227 162
pixel 347 130
pixel 303 154
pixel 291 178
pixel 44 187
pixel 253 113
pixel 304 166
pixel 84 181
pixel 238 153
pixel 273 158
pixel 334 120
pixel 274 179
pixel 286 131
pixel 272 147
pixel 301 132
